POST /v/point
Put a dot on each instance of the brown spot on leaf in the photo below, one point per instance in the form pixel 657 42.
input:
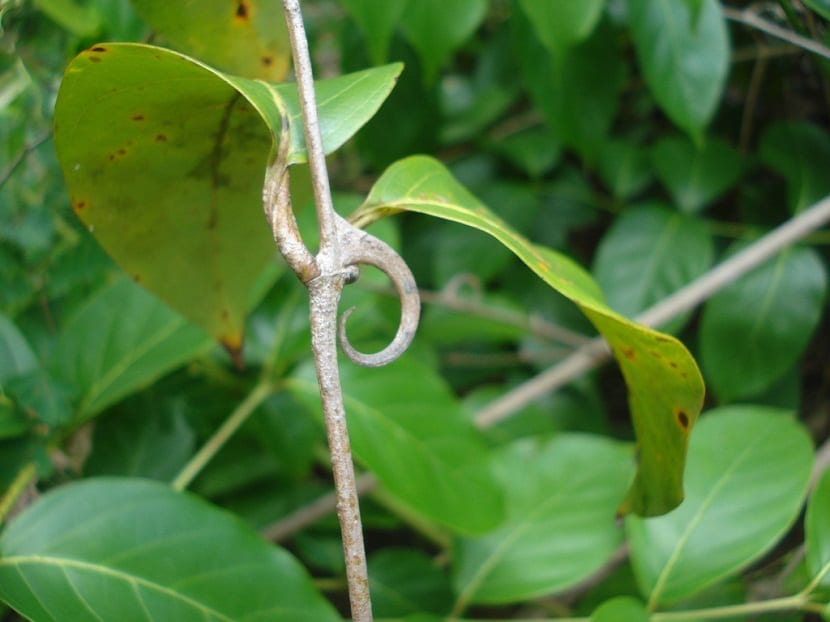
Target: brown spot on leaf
pixel 629 353
pixel 682 419
pixel 233 346
pixel 99 48
pixel 138 117
pixel 662 339
pixel 94 59
pixel 267 61
pixel 161 138
pixel 672 364
pixel 137 277
pixel 112 157
pixel 655 354
pixel 242 10
pixel 79 205
pixel 122 152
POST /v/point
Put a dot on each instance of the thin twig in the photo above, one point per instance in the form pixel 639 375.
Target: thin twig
pixel 749 17
pixel 18 160
pixel 20 483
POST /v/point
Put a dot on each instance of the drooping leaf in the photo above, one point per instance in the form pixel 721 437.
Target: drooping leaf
pixel 621 609
pixel 16 356
pixel 800 151
pixel 243 37
pixel 684 57
pixel 817 528
pixel 121 549
pixel 377 21
pixel 436 28
pixel 665 388
pixel 164 159
pixel 746 479
pixel 695 176
pixel 121 340
pixel 560 25
pixel 409 430
pixel 562 496
pixel 649 253
pixel 407 581
pixel 755 329
pixel 578 94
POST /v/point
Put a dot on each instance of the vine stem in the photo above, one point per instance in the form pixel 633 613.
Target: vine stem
pixel 324 292
pixel 21 481
pixel 748 17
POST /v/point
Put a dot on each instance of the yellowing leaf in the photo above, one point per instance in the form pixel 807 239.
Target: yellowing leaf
pixel 665 386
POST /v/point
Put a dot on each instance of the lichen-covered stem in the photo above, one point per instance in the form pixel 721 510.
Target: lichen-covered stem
pixel 324 295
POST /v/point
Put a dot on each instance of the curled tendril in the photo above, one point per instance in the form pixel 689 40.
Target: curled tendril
pixel 358 247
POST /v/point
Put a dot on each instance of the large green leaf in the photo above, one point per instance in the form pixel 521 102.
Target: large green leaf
pixel 559 25
pixel 695 176
pixel 244 37
pixel 746 479
pixel 377 21
pixel 665 387
pixel 120 549
pixel 165 157
pixel 121 340
pixel 685 57
pixel 649 253
pixel 817 528
pixel 407 581
pixel 436 28
pixel 754 330
pixel 409 430
pixel 16 356
pixel 562 496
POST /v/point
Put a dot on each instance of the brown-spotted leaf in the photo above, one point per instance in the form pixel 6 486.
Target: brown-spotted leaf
pixel 165 157
pixel 664 383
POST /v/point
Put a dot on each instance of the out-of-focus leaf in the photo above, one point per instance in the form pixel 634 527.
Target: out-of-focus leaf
pixel 621 609
pixel 533 151
pixel 118 342
pixel 625 168
pixel 685 58
pixel 578 94
pixel 81 19
pixel 560 25
pixel 649 253
pixel 800 151
pixel 561 498
pixel 746 479
pixel 436 28
pixel 665 388
pixel 243 37
pixel 377 21
pixel 695 176
pixel 141 441
pixel 755 329
pixel 12 422
pixel 164 159
pixel 16 356
pixel 42 397
pixel 409 430
pixel 817 527
pixel 822 7
pixel 120 549
pixel 407 581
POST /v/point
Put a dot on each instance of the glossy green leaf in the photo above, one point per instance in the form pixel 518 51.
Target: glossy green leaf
pixel 436 28
pixel 409 430
pixel 799 151
pixel 243 37
pixel 164 159
pixel 120 549
pixel 746 479
pixel 649 253
pixel 755 329
pixel 16 356
pixel 621 609
pixel 817 528
pixel 625 168
pixel 562 497
pixel 406 581
pixel 121 340
pixel 578 93
pixel 560 25
pixel 665 388
pixel 822 7
pixel 377 21
pixel 695 176
pixel 684 57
